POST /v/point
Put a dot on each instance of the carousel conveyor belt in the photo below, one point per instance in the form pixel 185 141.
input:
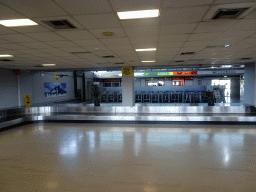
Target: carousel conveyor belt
pixel 135 114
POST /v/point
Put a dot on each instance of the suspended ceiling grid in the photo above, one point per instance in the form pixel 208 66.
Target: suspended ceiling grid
pixel 183 26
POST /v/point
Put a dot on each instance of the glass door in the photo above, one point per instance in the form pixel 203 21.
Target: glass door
pixel 227 84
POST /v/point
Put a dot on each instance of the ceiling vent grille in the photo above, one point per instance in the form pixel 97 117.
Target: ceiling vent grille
pixel 187 53
pixel 108 56
pixel 179 61
pixel 229 13
pixel 5 60
pixel 119 63
pixel 81 52
pixel 245 59
pixel 60 24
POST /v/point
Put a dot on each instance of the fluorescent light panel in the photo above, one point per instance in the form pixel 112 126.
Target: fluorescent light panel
pixel 148 61
pixel 148 49
pixel 6 55
pixel 138 14
pixel 48 65
pixel 17 22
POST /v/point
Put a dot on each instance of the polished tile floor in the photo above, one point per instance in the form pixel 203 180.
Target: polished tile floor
pixel 122 158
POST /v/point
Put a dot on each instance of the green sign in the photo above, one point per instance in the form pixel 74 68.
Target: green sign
pixel 158 74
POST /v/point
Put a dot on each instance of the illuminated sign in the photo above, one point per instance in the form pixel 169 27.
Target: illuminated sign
pixel 150 74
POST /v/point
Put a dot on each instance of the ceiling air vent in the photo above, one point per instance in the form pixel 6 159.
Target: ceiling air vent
pixel 187 53
pixel 5 60
pixel 229 13
pixel 108 56
pixel 179 61
pixel 245 59
pixel 80 53
pixel 60 24
pixel 120 63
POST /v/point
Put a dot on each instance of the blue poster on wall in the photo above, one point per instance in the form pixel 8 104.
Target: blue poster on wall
pixel 55 89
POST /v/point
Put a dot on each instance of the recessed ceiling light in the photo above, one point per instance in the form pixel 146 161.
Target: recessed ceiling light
pixel 226 45
pixel 148 49
pixel 138 14
pixel 17 22
pixel 148 61
pixel 48 65
pixel 6 55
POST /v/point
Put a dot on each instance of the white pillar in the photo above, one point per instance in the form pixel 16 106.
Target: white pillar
pixel 250 84
pixel 128 90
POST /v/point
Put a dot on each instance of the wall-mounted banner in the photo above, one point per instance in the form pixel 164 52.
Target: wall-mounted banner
pixel 57 77
pixel 27 100
pixel 127 71
pixel 55 89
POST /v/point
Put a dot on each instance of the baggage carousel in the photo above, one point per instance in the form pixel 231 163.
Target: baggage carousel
pixel 135 114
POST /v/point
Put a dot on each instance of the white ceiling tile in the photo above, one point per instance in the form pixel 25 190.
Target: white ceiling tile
pixel 100 53
pixel 99 48
pixel 120 47
pixel 45 36
pixel 38 45
pixel 204 36
pixel 142 31
pixel 76 34
pixel 185 3
pixel 17 38
pixel 5 30
pixel 34 8
pixel 30 51
pixel 4 41
pixel 88 43
pixel 119 32
pixel 173 38
pixel 116 41
pixel 139 22
pixel 99 21
pixel 214 26
pixel 232 1
pixel 12 46
pixel 171 45
pixel 251 15
pixel 80 7
pixel 245 25
pixel 61 44
pixel 30 29
pixel 144 40
pixel 196 43
pixel 73 49
pixel 7 13
pixel 127 5
pixel 177 29
pixel 182 15
pixel 223 42
pixel 167 51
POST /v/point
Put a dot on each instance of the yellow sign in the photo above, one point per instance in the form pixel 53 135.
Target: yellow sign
pixel 27 100
pixel 57 77
pixel 127 71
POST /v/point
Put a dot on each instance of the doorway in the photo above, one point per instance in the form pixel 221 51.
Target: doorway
pixel 227 84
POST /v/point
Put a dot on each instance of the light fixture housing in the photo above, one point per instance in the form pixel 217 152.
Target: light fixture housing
pixel 148 61
pixel 6 55
pixel 148 49
pixel 138 14
pixel 48 65
pixel 17 22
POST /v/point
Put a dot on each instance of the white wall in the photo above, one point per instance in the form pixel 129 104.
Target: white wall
pixel 8 89
pixel 32 84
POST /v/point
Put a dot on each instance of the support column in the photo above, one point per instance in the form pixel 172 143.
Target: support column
pixel 75 84
pixel 250 84
pixel 127 86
